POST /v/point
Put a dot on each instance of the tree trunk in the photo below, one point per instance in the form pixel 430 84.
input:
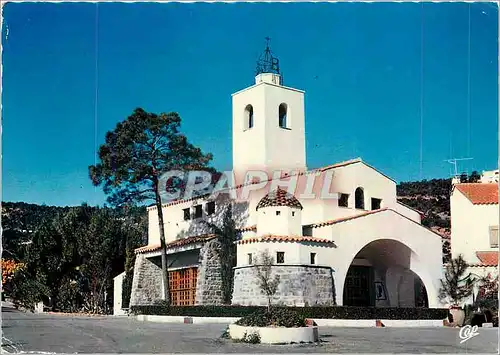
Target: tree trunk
pixel 166 293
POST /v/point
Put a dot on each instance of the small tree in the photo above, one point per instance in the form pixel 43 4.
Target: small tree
pixel 135 156
pixel 474 177
pixel 455 286
pixel 488 293
pixel 263 271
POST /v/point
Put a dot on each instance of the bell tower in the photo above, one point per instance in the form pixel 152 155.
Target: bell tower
pixel 268 122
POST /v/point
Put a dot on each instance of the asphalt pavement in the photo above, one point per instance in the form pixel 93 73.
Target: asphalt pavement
pixel 29 333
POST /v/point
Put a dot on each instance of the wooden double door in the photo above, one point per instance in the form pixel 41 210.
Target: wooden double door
pixel 183 286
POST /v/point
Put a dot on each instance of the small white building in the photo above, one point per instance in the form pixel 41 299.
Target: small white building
pixel 361 247
pixel 490 177
pixel 474 226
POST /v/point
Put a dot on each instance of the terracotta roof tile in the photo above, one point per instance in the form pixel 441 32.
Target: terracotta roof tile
pixel 285 238
pixel 344 219
pixel 338 165
pixel 479 193
pixel 176 243
pixel 312 171
pixel 279 197
pixel 443 232
pixel 247 229
pixel 487 258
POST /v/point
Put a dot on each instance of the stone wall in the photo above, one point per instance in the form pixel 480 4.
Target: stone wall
pixel 209 282
pixel 299 285
pixel 147 282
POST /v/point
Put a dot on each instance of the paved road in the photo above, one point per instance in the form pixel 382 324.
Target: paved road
pixel 26 332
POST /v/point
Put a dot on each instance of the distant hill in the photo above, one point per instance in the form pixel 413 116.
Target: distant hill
pixel 431 197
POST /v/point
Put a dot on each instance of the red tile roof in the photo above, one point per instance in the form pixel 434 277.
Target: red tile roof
pixel 479 193
pixel 312 171
pixel 411 208
pixel 338 165
pixel 344 219
pixel 443 232
pixel 487 258
pixel 176 243
pixel 247 229
pixel 285 238
pixel 279 197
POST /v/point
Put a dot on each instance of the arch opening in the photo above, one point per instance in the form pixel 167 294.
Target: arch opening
pixel 248 117
pixel 359 196
pixel 282 115
pixel 380 276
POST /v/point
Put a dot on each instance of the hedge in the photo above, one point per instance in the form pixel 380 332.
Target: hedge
pixel 326 312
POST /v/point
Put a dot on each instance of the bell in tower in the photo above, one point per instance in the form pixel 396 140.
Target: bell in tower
pixel 268 67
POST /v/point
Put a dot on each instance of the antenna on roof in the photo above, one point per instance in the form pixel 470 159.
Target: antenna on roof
pixel 454 163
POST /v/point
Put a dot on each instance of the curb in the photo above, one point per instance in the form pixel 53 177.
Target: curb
pixel 357 323
pixel 75 314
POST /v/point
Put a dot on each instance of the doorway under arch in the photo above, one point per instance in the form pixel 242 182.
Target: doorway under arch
pixel 380 276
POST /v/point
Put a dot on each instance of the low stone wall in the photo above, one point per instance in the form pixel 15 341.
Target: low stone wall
pixel 300 285
pixel 147 282
pixel 209 281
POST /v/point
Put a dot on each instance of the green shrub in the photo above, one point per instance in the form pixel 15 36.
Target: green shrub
pixel 252 338
pixel 318 312
pixel 278 317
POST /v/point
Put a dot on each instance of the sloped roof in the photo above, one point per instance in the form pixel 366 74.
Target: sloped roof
pixel 285 238
pixel 279 197
pixel 312 171
pixel 487 258
pixel 365 214
pixel 176 243
pixel 344 219
pixel 479 193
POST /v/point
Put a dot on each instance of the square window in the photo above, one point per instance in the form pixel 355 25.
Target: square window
pixel 187 214
pixel 210 208
pixel 344 200
pixel 313 258
pixel 376 203
pixel 494 236
pixel 280 257
pixel 198 212
pixel 249 258
pixel 278 213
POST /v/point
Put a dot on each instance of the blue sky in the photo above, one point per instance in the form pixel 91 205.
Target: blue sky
pixel 72 71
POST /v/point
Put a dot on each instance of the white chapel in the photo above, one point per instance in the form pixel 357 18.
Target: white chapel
pixel 358 247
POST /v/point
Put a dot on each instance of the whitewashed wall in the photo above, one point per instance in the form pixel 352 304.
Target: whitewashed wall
pixel 470 226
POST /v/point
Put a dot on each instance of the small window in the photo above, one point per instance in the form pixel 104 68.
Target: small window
pixel 210 208
pixel 344 200
pixel 198 212
pixel 494 236
pixel 249 258
pixel 307 231
pixel 282 116
pixel 376 202
pixel 313 258
pixel 293 213
pixel 248 117
pixel 360 199
pixel 187 214
pixel 280 257
pixel 278 213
